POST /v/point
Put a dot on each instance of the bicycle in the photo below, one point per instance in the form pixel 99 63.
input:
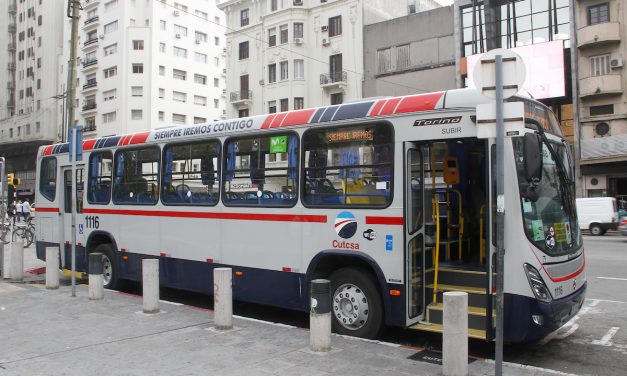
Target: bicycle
pixel 26 233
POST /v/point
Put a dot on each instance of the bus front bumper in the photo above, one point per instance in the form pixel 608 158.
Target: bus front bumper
pixel 527 319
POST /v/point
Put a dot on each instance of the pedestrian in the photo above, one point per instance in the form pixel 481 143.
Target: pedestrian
pixel 26 210
pixel 18 210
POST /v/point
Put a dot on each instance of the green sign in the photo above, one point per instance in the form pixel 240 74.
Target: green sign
pixel 278 144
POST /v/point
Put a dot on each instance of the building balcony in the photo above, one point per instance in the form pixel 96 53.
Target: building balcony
pixel 10 85
pixel 12 8
pixel 89 63
pixel 242 97
pixel 91 84
pixel 224 72
pixel 607 85
pixel 89 42
pixel 333 80
pixel 11 46
pixel 604 147
pixel 88 4
pixel 92 21
pixel 89 106
pixel 11 66
pixel 12 28
pixel 89 128
pixel 224 92
pixel 10 104
pixel 599 34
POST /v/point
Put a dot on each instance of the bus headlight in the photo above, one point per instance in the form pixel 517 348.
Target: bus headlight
pixel 537 284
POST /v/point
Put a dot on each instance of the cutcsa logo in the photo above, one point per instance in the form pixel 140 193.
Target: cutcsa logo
pixel 345 225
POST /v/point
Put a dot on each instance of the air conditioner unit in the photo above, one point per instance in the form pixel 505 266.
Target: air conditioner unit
pixel 176 13
pixel 616 63
pixel 262 82
pixel 298 40
pixel 178 36
pixel 197 41
pixel 101 36
pixel 324 27
pixel 325 42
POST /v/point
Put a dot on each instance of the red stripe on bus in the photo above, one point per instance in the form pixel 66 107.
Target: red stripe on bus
pixel 89 144
pixel 48 150
pixel 278 119
pixel 297 117
pixel 233 216
pixel 377 107
pixel 47 210
pixel 389 106
pixel 122 140
pixel 139 138
pixel 396 221
pixel 420 102
pixel 268 121
pixel 567 277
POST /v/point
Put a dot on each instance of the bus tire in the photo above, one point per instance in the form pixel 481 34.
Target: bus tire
pixel 596 229
pixel 356 304
pixel 109 267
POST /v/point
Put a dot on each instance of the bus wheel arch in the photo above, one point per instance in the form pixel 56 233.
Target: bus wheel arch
pixel 104 243
pixel 359 273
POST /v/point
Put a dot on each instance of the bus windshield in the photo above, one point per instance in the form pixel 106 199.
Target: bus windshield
pixel 550 221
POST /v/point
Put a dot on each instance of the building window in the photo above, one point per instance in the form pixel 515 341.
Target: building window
pixel 136 114
pixel 162 25
pixel 299 69
pixel 283 33
pixel 90 124
pixel 162 47
pixel 298 30
pixel 216 61
pixel 37 127
pixel 178 118
pixel 598 13
pixel 216 82
pixel 138 68
pixel 161 70
pixel 161 93
pixel 200 79
pixel 335 26
pixel 243 17
pixel 109 117
pixel 244 112
pixel 110 50
pixel 402 56
pixel 200 100
pixel 274 5
pixel 137 91
pixel 216 103
pixel 181 7
pixel 299 103
pixel 161 115
pixel 600 65
pixel 284 70
pixel 180 31
pixel 383 60
pixel 201 14
pixel 337 98
pixel 138 44
pixel 111 27
pixel 243 50
pixel 109 95
pixel 285 105
pixel 179 96
pixel 606 109
pixel 199 120
pixel 200 58
pixel 110 5
pixel 271 73
pixel 180 52
pixel 110 72
pixel 272 37
pixel 216 41
pixel 200 37
pixel 271 107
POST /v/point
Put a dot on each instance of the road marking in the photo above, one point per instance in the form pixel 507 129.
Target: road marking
pixel 607 338
pixel 613 278
pixel 571 326
pixel 607 301
pixel 533 368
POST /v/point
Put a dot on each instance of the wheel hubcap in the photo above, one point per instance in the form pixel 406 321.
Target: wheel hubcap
pixel 350 306
pixel 107 270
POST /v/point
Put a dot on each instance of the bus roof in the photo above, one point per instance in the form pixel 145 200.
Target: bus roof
pixel 368 108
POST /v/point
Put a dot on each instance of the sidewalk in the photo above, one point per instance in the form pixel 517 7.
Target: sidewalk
pixel 47 332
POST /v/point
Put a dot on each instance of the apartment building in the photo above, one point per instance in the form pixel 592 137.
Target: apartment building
pixel 291 54
pixel 146 64
pixel 603 102
pixel 30 54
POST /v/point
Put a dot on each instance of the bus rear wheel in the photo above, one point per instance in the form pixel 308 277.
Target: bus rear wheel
pixel 109 267
pixel 356 304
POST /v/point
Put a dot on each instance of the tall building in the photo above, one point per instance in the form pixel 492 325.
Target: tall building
pixel 603 102
pixel 30 54
pixel 146 64
pixel 291 54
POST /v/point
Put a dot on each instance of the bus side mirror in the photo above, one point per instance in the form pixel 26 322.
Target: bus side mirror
pixel 532 150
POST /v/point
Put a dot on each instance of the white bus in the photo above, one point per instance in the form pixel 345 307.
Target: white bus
pixel 391 199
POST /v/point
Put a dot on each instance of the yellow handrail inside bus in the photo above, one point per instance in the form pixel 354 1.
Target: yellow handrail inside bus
pixel 436 216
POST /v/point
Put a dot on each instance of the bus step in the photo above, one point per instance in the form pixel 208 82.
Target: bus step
pixel 476 296
pixel 476 315
pixel 460 277
pixel 438 328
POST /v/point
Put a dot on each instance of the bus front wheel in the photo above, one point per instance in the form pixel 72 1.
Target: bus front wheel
pixel 109 267
pixel 356 304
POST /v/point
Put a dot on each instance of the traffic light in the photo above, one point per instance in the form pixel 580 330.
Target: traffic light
pixel 12 180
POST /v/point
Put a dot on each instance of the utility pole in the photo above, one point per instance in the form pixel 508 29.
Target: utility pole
pixel 73 13
pixel 574 74
pixel 492 26
pixel 70 94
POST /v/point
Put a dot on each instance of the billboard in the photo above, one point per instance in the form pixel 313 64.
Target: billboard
pixel 545 69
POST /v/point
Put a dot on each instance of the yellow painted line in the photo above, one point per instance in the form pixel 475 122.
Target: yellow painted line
pixel 471 310
pixel 68 273
pixel 475 290
pixel 438 328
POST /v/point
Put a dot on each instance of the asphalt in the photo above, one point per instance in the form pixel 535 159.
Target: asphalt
pixel 48 332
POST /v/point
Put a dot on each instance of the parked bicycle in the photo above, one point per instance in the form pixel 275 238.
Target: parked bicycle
pixel 26 231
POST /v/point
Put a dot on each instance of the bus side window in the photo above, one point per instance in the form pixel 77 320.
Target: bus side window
pixel 99 179
pixel 190 173
pixel 348 166
pixel 261 171
pixel 48 178
pixel 136 176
